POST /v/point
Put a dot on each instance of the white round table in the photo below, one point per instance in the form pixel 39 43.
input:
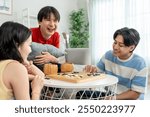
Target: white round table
pixel 98 89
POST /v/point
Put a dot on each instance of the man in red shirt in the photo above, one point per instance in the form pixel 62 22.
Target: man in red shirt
pixel 48 18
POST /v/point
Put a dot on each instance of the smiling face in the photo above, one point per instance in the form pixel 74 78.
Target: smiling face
pixel 25 48
pixel 120 50
pixel 48 26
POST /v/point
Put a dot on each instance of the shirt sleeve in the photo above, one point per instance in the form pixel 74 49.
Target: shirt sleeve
pixel 101 64
pixel 139 82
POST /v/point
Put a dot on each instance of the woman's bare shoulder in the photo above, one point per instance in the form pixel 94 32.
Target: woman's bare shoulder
pixel 15 75
pixel 15 68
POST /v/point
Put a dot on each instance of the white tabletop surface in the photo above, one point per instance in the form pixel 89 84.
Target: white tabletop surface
pixel 107 81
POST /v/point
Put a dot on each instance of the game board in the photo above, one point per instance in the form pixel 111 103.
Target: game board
pixel 77 77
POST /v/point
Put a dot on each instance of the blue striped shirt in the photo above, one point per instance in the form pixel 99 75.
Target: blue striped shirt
pixel 131 73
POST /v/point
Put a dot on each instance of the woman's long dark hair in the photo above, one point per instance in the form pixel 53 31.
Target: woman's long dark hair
pixel 12 35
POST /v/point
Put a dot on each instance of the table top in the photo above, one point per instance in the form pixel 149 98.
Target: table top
pixel 107 81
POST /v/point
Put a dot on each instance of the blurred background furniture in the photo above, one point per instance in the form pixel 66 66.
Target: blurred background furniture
pixel 79 56
pixel 28 19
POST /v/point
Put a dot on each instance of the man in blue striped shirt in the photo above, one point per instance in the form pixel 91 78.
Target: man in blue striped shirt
pixel 130 68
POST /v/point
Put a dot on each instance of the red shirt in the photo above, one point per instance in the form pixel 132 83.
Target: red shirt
pixel 37 37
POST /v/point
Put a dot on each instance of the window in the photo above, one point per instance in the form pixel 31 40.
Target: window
pixel 106 16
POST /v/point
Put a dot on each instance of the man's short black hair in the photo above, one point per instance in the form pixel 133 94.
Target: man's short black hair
pixel 46 11
pixel 130 36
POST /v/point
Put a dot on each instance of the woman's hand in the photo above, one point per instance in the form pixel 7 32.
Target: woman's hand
pixel 37 85
pixel 28 65
pixel 33 70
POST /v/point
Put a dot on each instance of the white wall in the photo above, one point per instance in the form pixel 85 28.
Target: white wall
pixel 63 6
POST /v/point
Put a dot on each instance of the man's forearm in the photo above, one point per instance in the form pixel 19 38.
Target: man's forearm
pixel 128 95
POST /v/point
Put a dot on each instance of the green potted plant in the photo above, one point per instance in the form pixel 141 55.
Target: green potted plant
pixel 79 29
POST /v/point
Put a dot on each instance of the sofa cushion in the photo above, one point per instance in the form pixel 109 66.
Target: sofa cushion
pixel 37 48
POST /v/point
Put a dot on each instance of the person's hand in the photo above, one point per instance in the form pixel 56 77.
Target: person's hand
pixel 31 77
pixel 45 57
pixel 90 68
pixel 28 65
pixel 110 98
pixel 37 84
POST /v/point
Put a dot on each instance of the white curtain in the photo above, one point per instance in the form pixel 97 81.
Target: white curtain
pixel 106 16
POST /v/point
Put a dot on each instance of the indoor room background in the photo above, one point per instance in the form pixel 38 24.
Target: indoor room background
pixel 105 16
pixel 65 7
